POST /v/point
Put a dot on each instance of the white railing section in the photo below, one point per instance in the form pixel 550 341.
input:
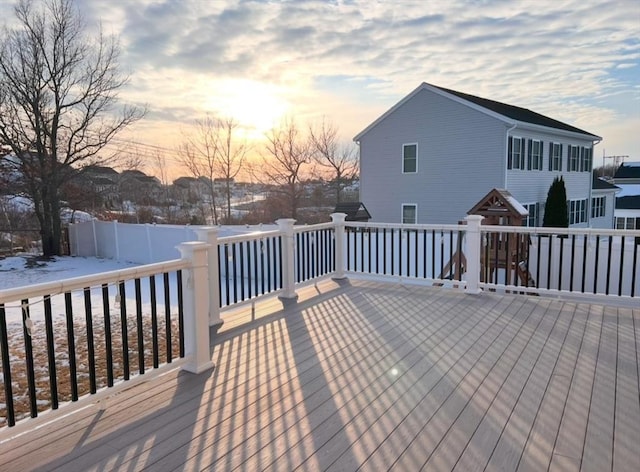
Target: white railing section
pixel 217 273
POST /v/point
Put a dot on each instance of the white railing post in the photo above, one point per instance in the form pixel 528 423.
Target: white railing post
pixel 473 250
pixel 338 221
pixel 209 235
pixel 196 307
pixel 288 257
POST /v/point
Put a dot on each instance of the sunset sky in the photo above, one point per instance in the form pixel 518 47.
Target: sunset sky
pixel 259 61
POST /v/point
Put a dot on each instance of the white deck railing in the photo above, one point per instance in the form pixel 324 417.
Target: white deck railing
pixel 216 273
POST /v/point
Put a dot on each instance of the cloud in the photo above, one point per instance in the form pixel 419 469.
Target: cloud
pixel 565 58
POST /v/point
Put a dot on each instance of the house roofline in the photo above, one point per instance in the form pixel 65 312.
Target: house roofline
pixel 474 106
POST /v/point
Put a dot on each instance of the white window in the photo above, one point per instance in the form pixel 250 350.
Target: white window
pixel 577 211
pixel 574 158
pixel 627 223
pixel 535 155
pixel 515 159
pixel 598 205
pixel 534 213
pixel 409 213
pixel 410 158
pixel 586 160
pixel 555 156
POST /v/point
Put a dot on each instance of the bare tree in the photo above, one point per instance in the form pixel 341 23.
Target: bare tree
pixel 339 159
pixel 214 151
pixel 199 155
pixel 231 156
pixel 58 90
pixel 288 153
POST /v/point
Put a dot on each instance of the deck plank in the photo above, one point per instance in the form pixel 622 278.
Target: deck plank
pixel 600 425
pixel 376 376
pixel 626 453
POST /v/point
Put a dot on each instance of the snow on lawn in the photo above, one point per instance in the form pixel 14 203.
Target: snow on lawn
pixel 27 270
pixel 19 271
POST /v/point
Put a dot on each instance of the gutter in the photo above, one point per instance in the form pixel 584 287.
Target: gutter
pixel 589 210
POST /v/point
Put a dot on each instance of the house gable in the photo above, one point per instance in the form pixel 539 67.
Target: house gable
pixel 510 114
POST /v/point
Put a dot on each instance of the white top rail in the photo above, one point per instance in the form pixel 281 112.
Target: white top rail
pixel 567 231
pixel 319 226
pixel 249 237
pixel 356 224
pixel 93 280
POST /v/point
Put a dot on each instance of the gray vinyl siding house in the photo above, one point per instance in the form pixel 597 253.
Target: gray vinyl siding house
pixel 464 147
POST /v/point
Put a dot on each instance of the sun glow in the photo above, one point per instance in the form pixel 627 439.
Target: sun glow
pixel 256 106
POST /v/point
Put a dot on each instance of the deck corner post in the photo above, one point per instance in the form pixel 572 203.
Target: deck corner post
pixel 473 250
pixel 209 235
pixel 196 307
pixel 285 226
pixel 338 221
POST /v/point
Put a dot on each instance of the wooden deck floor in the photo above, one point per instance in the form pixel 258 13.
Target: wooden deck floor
pixel 376 376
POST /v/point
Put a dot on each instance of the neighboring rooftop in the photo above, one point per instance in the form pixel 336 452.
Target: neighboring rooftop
pixel 516 113
pixel 601 184
pixel 628 170
pixel 355 211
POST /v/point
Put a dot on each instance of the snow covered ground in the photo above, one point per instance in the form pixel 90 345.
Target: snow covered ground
pixel 19 271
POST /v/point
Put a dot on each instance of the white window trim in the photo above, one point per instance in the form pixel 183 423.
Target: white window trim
pixel 402 160
pixel 579 211
pixel 556 159
pixel 522 159
pixel 415 205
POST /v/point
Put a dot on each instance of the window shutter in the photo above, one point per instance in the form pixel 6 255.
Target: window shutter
pixel 523 143
pixel 541 155
pixel 529 154
pixel 510 153
pixel 581 164
pixel 550 156
pixel 560 163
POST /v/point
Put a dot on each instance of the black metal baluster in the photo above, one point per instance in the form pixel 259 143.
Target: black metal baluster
pixel 551 238
pixel 269 268
pixel 451 254
pixel 415 250
pixel 609 249
pixel 433 253
pixel 167 317
pixel 595 273
pixel 393 251
pixel 71 347
pixel 242 289
pixel 573 261
pixel 634 266
pixel 6 368
pixel 51 353
pixel 621 266
pixel 154 321
pixel 408 253
pixel 91 352
pixel 424 253
pixel 560 263
pixel 226 274
pixel 180 313
pixel 584 264
pixel 384 251
pixel 400 231
pixel 139 327
pixel 124 330
pixel 262 267
pixel 220 256
pixel 28 354
pixel 538 263
pixel 107 334
pixel 459 251
pixel 234 265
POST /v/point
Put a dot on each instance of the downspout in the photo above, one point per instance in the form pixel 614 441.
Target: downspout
pixel 589 210
pixel 506 148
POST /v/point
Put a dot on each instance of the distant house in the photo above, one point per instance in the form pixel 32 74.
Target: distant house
pixel 435 153
pixel 627 212
pixel 355 211
pixel 603 201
